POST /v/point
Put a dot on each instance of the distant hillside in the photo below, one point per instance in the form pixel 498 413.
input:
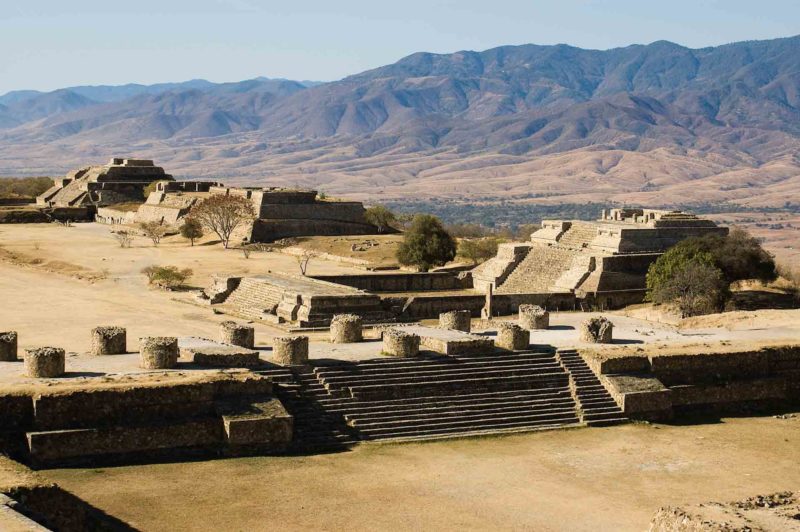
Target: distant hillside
pixel 544 124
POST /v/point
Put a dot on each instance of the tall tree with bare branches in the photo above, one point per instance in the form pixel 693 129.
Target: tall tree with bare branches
pixel 223 214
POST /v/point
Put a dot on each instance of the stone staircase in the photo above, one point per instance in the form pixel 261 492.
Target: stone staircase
pixel 597 407
pixel 336 405
pixel 254 298
pixel 433 397
pixel 315 428
pixel 538 272
pixel 582 265
pixel 578 236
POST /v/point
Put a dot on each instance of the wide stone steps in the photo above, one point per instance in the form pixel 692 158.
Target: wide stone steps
pixel 462 413
pixel 484 426
pixel 253 297
pixel 538 272
pixel 421 403
pixel 498 429
pixel 315 429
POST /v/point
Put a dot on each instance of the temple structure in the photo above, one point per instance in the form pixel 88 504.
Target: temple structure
pixel 603 263
pixel 119 181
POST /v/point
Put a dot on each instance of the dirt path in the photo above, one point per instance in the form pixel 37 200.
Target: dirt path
pixel 587 479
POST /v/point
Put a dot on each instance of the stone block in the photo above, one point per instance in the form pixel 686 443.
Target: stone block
pixel 158 352
pixel 8 346
pixel 109 341
pixel 346 329
pixel 45 362
pixel 400 343
pixel 456 320
pixel 512 337
pixel 533 317
pixel 596 330
pixel 259 426
pixel 290 350
pixel 234 333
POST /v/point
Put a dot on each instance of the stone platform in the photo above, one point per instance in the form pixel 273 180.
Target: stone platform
pixel 205 352
pixel 449 342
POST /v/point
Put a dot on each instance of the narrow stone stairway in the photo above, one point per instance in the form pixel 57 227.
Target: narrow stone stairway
pixel 597 406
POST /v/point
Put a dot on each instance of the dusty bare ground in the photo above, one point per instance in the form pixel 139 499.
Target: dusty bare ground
pixel 377 250
pixel 587 479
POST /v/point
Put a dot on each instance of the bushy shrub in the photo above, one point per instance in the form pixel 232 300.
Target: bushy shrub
pixel 167 277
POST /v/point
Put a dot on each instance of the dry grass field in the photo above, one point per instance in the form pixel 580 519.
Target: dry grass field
pixel 590 479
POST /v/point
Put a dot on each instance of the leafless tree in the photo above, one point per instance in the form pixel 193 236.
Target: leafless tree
pixel 154 231
pixel 123 238
pixel 223 214
pixel 304 258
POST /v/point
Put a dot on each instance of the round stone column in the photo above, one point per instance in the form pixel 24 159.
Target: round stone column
pixel 399 343
pixel 109 341
pixel 8 346
pixel 512 337
pixel 597 330
pixel 158 352
pixel 290 350
pixel 44 362
pixel 234 333
pixel 346 329
pixel 533 317
pixel 456 320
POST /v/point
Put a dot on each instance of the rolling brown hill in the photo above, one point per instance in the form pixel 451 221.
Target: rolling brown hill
pixel 658 124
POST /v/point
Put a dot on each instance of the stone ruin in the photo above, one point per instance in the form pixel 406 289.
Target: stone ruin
pixel 280 212
pixel 596 330
pixel 346 329
pixel 533 317
pixel 119 181
pixel 601 264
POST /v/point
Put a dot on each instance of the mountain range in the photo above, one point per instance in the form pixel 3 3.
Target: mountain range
pixel 659 124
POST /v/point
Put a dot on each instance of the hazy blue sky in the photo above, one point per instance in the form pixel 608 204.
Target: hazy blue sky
pixel 47 44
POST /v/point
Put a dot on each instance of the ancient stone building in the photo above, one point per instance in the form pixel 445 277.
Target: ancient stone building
pixel 602 263
pixel 283 212
pixel 119 181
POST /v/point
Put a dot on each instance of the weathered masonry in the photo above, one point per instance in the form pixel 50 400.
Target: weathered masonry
pixel 119 181
pixel 601 263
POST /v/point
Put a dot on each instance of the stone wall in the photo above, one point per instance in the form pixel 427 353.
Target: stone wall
pixel 271 230
pixel 653 386
pixel 141 417
pixel 400 282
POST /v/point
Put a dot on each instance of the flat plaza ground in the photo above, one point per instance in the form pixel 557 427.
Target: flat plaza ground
pixel 57 283
pixel 611 478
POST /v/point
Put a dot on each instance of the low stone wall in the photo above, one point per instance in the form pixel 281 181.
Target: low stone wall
pixel 401 282
pixel 652 386
pixel 228 412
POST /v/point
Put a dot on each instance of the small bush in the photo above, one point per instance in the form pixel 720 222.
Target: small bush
pixel 155 231
pixel 167 277
pixel 123 238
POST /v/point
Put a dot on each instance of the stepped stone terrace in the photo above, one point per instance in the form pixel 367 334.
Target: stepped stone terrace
pixel 120 180
pixel 602 263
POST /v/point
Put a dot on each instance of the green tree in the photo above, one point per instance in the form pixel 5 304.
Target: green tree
pixel 380 216
pixel 426 244
pixel 477 250
pixel 192 229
